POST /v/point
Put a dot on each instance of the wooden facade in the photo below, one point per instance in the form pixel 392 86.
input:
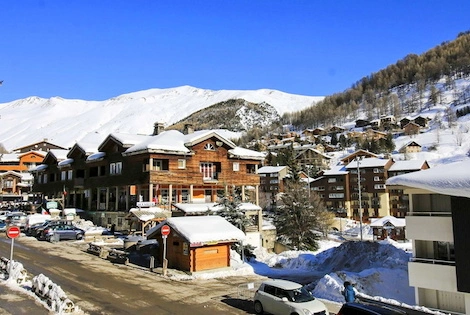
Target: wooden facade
pixel 166 168
pixel 186 252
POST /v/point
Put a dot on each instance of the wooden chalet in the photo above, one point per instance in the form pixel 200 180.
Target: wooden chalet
pixel 411 128
pixel 109 178
pixel 388 227
pixel 197 243
pixel 359 153
pixel 410 147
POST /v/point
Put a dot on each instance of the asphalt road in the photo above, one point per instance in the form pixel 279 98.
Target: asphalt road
pixel 97 286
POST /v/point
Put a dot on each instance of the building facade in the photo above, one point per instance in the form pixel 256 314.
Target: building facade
pixel 163 168
pixel 437 224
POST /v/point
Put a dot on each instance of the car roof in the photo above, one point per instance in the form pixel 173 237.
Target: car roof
pixel 283 284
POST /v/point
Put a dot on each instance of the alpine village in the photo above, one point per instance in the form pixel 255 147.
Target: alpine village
pixel 285 184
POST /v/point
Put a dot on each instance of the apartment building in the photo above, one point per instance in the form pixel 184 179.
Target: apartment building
pixel 437 223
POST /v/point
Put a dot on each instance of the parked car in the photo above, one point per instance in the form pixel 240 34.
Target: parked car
pixel 283 297
pixel 40 231
pixel 354 308
pixel 63 232
pixel 3 225
pixel 16 218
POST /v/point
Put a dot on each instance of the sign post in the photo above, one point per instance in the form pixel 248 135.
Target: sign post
pixel 165 231
pixel 12 233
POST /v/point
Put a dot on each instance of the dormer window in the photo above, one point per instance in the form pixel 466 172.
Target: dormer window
pixel 209 147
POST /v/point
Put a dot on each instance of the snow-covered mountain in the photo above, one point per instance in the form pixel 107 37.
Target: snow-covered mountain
pixel 65 121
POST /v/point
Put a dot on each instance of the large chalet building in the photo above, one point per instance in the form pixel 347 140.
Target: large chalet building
pixel 109 177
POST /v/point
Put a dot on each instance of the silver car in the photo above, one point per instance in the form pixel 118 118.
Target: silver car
pixel 282 297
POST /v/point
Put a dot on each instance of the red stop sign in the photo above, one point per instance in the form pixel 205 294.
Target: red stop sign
pixel 13 232
pixel 165 230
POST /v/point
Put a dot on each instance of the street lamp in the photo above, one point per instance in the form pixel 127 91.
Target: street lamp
pixel 358 158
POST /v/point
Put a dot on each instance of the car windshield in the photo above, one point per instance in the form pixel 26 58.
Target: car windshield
pixel 300 295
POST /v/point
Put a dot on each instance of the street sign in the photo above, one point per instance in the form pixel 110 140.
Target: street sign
pixel 165 230
pixel 13 232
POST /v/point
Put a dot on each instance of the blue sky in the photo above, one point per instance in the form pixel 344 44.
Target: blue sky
pixel 95 50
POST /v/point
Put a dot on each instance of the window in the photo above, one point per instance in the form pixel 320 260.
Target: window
pixel 181 164
pixel 207 170
pixel 63 175
pixel 160 165
pixel 236 166
pixel 378 170
pixel 209 147
pixel 331 180
pixel 274 181
pixel 70 174
pixel 379 186
pixel 337 195
pixel 376 179
pixel 115 168
pixel 185 195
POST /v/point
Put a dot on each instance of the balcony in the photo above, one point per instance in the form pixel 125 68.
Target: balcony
pixel 429 228
pixel 212 179
pixel 443 274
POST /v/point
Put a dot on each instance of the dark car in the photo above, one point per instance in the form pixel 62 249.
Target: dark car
pixel 353 308
pixel 63 232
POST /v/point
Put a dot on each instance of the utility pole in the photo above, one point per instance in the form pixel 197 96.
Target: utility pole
pixel 358 158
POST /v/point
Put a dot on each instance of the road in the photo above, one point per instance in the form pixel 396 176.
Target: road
pixel 97 286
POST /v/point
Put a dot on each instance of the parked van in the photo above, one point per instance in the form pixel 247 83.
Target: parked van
pixel 34 219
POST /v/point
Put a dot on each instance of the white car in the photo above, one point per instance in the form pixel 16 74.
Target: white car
pixel 282 297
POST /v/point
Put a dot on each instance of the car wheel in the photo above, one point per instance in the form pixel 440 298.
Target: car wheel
pixel 258 307
pixel 79 236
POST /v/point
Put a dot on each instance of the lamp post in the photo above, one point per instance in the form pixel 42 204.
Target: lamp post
pixel 358 158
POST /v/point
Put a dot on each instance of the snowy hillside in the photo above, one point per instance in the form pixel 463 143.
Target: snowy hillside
pixel 64 121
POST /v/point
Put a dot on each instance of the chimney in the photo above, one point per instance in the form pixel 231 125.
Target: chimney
pixel 188 128
pixel 158 128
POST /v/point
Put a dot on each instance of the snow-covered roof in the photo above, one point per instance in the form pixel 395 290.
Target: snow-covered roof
pixel 270 169
pixel 96 156
pixel 59 154
pixel 146 214
pixel 173 141
pixel 199 230
pixel 212 206
pixel 448 179
pixel 368 162
pixel 336 170
pixel 128 139
pixel 170 141
pixel 9 157
pixel 408 165
pixel 65 162
pixel 397 222
pixel 246 153
pixel 40 167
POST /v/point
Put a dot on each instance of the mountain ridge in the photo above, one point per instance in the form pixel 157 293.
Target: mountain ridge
pixel 66 121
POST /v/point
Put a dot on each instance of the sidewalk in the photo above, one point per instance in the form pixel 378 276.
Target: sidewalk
pixel 16 302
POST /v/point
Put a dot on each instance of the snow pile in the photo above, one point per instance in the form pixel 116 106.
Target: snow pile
pixel 53 294
pixel 48 293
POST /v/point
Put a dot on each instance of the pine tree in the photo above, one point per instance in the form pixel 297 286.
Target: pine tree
pixel 299 217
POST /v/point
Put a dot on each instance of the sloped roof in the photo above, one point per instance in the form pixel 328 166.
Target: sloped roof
pixel 408 165
pixel 270 169
pixel 397 222
pixel 201 229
